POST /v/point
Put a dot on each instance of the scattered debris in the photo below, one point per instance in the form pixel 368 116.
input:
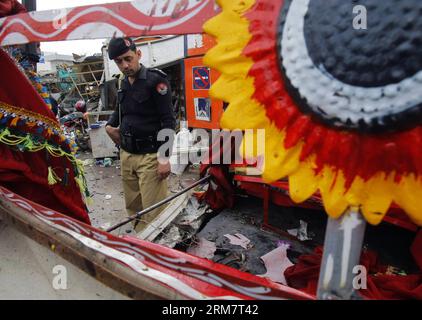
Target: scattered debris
pixel 173 209
pixel 239 240
pixel 88 162
pixel 95 125
pixel 105 226
pixel 103 163
pixel 185 226
pixel 203 248
pixel 108 162
pixel 192 216
pixel 301 233
pixel 171 238
pixel 277 262
pixel 234 259
pixel 283 243
pixel 395 271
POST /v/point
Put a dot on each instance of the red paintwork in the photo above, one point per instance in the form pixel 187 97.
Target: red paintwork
pixel 229 274
pixel 278 193
pixel 122 16
pixel 352 153
pixel 178 264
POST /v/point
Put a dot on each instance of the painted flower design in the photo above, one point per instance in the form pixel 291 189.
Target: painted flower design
pixel 341 106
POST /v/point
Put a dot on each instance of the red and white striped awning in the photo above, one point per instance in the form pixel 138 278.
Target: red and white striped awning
pixel 135 18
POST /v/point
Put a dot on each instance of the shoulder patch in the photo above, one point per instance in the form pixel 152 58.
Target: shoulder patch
pixel 159 72
pixel 162 88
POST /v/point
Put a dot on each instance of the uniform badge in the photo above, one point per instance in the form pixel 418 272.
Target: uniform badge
pixel 162 89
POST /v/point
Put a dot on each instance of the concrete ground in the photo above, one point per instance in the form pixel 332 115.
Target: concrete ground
pixel 29 271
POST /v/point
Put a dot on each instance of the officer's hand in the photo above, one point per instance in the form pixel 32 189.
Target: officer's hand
pixel 114 134
pixel 163 169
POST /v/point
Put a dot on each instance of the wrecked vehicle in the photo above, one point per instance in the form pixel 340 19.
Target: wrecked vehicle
pixel 346 149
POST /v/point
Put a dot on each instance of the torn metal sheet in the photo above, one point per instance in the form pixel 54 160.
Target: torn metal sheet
pixel 239 240
pixel 302 232
pixel 235 260
pixel 192 216
pixel 185 225
pixel 277 262
pixel 171 238
pixel 156 226
pixel 203 248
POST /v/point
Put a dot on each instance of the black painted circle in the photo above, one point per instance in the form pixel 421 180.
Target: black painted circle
pixel 387 52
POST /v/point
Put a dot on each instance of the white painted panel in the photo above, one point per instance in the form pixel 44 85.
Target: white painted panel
pixel 195 41
pixel 154 54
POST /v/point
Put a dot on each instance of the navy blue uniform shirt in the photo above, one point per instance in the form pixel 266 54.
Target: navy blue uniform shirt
pixel 146 106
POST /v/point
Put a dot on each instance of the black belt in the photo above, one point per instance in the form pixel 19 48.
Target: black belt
pixel 139 145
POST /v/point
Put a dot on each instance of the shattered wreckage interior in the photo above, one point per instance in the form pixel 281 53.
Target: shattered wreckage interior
pixel 239 240
pixel 241 237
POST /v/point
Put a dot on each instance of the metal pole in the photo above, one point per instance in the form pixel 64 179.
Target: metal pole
pixel 30 5
pixel 158 204
pixel 31 48
pixel 342 251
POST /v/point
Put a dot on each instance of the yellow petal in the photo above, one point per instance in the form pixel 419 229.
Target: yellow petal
pixel 408 195
pixel 379 196
pixel 303 183
pixel 332 188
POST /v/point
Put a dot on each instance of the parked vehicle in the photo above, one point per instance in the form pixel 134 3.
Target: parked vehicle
pixel 76 123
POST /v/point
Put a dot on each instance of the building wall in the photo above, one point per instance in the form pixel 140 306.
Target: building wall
pixel 52 61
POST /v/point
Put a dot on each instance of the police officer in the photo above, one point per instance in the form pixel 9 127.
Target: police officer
pixel 144 108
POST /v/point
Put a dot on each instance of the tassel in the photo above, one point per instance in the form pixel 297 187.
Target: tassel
pixel 66 177
pixel 52 177
pixel 80 180
pixel 29 145
pixel 89 201
pixel 6 132
pixel 80 184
